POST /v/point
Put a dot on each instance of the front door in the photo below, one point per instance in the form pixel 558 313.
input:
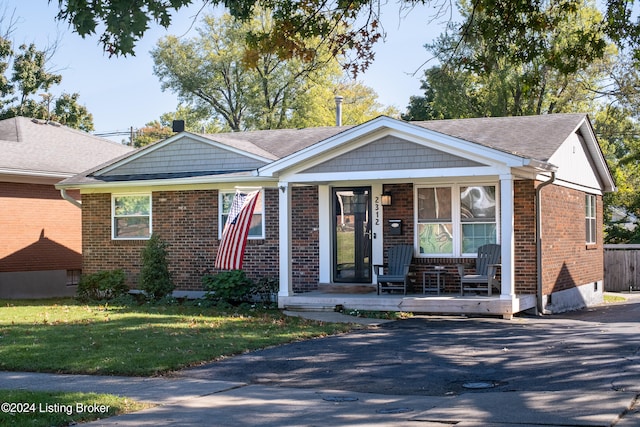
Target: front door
pixel 352 235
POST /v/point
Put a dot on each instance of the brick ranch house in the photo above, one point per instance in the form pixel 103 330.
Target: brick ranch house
pixel 532 184
pixel 40 232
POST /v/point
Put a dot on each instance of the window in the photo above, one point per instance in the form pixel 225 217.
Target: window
pixel 478 217
pixel 435 223
pixel 73 277
pixel 590 218
pixel 449 225
pixel 257 224
pixel 131 216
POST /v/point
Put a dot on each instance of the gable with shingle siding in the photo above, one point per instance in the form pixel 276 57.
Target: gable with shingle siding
pixel 186 155
pixel 391 153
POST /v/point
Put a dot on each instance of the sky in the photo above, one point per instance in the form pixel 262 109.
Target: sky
pixel 123 92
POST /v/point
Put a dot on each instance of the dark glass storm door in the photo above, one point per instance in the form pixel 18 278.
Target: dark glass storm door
pixel 352 235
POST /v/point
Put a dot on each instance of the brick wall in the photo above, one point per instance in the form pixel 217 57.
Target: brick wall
pixel 567 260
pixel 401 208
pixel 305 251
pixel 188 221
pixel 524 236
pixel 39 230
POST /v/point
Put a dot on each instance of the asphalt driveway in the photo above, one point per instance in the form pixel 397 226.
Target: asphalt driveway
pixel 591 350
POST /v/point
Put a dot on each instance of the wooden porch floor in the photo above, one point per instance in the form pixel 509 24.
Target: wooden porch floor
pixel 445 303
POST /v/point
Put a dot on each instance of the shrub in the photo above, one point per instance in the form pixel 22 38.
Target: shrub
pixel 155 277
pixel 230 286
pixel 106 284
pixel 265 288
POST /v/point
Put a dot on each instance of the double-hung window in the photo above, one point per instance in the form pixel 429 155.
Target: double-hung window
pixel 435 221
pixel 590 218
pixel 455 220
pixel 256 230
pixel 131 216
pixel 477 217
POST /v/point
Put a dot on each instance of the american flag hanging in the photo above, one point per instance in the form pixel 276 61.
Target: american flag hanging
pixel 236 230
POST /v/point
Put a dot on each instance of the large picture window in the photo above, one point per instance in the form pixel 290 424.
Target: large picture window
pixel 455 220
pixel 131 216
pixel 257 221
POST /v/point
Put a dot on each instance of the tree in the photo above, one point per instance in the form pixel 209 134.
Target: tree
pixel 359 104
pixel 479 78
pixel 155 277
pixel 196 120
pixel 68 112
pixel 298 30
pixel 152 132
pixel 215 74
pixel 299 26
pixel 618 136
pixel 29 79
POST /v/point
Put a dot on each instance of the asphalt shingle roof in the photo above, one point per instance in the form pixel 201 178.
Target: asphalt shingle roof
pixel 30 145
pixel 533 137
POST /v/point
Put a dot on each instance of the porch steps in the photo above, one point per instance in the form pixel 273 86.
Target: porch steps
pixel 309 307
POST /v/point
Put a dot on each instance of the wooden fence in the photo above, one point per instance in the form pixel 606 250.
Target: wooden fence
pixel 621 268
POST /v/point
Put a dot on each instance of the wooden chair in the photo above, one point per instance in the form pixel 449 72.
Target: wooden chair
pixel 486 269
pixel 398 263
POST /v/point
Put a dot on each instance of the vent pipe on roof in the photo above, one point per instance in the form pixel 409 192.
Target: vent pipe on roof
pixel 339 110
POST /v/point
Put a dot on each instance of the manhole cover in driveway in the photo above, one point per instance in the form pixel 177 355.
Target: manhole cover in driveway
pixel 394 410
pixel 479 385
pixel 340 398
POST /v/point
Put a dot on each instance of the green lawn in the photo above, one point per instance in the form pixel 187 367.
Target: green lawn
pixel 43 409
pixel 69 337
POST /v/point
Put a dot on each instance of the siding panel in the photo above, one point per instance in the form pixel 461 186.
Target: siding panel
pixel 186 155
pixel 392 153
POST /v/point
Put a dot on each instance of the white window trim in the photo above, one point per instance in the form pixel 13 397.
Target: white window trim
pixel 221 223
pixel 456 220
pixel 113 215
pixel 591 199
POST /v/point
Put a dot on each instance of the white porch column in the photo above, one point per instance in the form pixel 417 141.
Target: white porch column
pixel 324 233
pixel 284 243
pixel 507 238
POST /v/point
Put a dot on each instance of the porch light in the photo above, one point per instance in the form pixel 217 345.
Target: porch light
pixel 386 199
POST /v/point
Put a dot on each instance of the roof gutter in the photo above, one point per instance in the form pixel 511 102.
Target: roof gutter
pixel 541 309
pixel 68 198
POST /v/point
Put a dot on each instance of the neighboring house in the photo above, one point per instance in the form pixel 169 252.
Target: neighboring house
pixel 321 223
pixel 40 232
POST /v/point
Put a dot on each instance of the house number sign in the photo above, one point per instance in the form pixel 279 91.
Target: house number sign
pixel 376 209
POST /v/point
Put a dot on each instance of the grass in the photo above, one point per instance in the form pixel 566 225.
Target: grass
pixel 35 409
pixel 610 299
pixel 65 336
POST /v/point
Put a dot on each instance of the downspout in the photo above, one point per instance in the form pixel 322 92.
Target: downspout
pixel 541 309
pixel 68 198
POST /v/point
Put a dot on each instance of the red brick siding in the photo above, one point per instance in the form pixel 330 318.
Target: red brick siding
pixel 524 236
pixel 188 222
pixel 401 208
pixel 39 230
pixel 567 260
pixel 305 245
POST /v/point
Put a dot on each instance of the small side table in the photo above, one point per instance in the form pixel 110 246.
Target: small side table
pixel 439 274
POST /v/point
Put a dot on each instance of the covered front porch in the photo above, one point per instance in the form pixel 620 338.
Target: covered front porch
pixel 328 299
